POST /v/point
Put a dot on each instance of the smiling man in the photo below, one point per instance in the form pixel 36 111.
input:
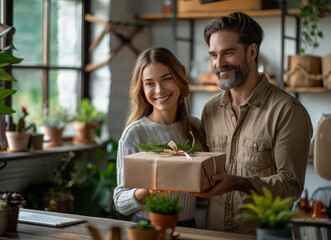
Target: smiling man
pixel 264 131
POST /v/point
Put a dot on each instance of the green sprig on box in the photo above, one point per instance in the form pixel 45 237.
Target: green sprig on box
pixel 158 148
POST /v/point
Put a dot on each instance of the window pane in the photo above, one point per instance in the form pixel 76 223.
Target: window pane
pixel 28 93
pixel 28 36
pixel 63 88
pixel 65 40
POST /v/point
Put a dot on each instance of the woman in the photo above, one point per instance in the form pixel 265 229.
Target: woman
pixel 159 113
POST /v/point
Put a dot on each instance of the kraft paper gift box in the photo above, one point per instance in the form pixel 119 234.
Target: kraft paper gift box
pixel 174 173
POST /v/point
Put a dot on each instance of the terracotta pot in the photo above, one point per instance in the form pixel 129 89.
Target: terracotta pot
pixel 13 219
pixel 164 221
pixel 3 221
pixel 84 132
pixel 17 141
pixel 146 234
pixel 55 135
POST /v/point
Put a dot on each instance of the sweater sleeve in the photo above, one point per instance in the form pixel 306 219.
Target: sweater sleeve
pixel 124 199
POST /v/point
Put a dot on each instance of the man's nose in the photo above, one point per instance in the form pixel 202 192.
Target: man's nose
pixel 219 62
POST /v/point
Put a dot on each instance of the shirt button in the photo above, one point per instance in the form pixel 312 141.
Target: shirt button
pixel 232 160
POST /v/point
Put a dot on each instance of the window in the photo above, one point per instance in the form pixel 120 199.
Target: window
pixel 49 38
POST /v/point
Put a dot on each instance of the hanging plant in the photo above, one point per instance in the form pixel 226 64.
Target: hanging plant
pixel 311 12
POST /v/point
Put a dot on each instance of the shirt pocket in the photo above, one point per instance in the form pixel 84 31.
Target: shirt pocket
pixel 217 143
pixel 257 157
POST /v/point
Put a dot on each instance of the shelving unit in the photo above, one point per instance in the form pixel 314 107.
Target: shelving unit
pixel 283 12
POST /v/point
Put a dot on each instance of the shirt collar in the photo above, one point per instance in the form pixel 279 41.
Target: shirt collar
pixel 256 98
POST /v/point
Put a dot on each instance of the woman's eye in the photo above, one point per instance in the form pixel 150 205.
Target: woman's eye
pixel 167 79
pixel 148 83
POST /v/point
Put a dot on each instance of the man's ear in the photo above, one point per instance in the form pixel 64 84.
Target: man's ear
pixel 252 52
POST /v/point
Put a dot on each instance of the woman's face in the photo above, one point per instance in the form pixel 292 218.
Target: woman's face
pixel 160 88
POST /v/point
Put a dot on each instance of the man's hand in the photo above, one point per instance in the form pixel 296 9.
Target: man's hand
pixel 225 183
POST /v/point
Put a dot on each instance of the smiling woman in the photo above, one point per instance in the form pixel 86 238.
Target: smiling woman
pixel 159 114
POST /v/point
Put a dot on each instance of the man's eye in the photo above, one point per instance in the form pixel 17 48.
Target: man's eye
pixel 229 53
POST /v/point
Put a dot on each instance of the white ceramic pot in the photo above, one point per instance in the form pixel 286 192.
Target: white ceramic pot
pixel 17 141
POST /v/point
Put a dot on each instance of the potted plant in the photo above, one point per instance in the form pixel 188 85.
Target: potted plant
pixel 272 214
pixel 3 217
pixel 14 201
pixel 87 121
pixel 163 211
pixel 16 134
pixel 54 120
pixel 143 231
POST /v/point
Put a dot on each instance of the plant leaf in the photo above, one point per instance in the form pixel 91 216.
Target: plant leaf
pixel 6 59
pixel 5 110
pixel 6 92
pixel 6 76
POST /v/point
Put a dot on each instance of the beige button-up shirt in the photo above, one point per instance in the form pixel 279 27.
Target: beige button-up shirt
pixel 268 144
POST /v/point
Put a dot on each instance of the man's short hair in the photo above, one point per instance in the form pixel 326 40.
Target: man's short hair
pixel 248 30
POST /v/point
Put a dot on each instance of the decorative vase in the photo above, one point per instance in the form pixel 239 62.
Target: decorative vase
pixel 55 135
pixel 13 218
pixel 164 221
pixel 267 233
pixel 3 221
pixel 143 234
pixel 84 132
pixel 17 141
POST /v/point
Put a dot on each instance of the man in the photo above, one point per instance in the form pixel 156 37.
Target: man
pixel 264 131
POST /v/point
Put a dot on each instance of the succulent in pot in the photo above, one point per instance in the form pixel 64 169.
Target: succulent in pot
pixel 54 120
pixel 14 201
pixel 143 231
pixel 16 134
pixel 272 214
pixel 87 122
pixel 163 211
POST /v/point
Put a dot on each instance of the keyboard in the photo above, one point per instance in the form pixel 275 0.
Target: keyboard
pixel 45 219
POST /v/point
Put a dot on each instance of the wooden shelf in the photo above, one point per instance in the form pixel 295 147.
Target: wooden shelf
pixel 205 88
pixel 307 89
pixel 201 15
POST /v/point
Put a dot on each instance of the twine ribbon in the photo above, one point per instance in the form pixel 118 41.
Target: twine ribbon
pixel 169 153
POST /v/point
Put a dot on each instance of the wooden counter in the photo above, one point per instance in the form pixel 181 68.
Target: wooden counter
pixel 80 231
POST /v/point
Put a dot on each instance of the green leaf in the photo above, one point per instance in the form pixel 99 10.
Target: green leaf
pixel 5 110
pixel 6 76
pixel 6 59
pixel 6 92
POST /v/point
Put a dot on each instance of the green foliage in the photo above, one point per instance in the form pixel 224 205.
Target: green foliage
pixel 3 204
pixel 158 148
pixel 311 14
pixel 162 203
pixel 5 60
pixel 269 211
pixel 93 185
pixel 20 126
pixel 12 198
pixel 143 225
pixel 87 113
pixel 56 116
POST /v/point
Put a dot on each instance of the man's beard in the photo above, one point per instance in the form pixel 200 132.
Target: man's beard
pixel 237 78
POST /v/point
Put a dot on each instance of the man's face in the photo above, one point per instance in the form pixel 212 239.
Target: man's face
pixel 229 59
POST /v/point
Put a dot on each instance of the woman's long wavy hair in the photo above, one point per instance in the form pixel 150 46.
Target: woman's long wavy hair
pixel 140 107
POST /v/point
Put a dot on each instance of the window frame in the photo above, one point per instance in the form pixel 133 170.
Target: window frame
pixel 45 67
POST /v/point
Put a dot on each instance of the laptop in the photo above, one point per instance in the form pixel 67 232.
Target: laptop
pixel 45 219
